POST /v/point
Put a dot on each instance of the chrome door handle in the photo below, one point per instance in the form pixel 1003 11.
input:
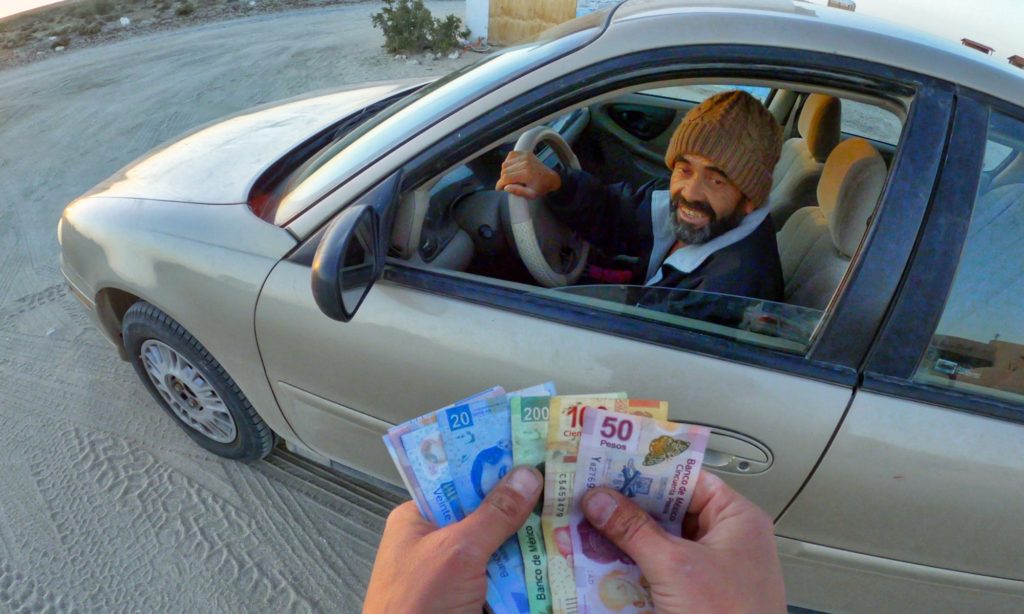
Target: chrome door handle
pixel 731 452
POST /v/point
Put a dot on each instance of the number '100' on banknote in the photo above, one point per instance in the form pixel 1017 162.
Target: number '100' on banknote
pixel 653 462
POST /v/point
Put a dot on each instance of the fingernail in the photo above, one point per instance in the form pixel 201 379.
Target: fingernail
pixel 524 481
pixel 599 507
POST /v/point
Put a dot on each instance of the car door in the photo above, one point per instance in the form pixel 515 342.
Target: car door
pixel 424 337
pixel 927 467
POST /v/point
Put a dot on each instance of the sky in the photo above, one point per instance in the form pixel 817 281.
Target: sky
pixel 992 22
pixel 10 7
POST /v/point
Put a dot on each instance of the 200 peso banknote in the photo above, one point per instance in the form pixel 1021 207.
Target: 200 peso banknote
pixel 655 463
pixel 529 415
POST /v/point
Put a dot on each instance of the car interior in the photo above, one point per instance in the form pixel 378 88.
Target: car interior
pixel 838 147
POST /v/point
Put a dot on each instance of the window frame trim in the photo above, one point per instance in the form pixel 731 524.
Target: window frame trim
pixel 909 330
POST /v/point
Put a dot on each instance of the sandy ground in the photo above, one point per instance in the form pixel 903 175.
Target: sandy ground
pixel 105 504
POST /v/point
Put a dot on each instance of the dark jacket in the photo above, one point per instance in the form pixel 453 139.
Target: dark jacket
pixel 621 220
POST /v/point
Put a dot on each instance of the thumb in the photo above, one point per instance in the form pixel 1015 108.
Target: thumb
pixel 502 512
pixel 630 528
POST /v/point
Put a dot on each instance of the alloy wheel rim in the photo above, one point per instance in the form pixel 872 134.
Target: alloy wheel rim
pixel 187 392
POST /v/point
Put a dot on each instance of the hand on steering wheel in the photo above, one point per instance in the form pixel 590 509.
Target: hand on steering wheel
pixel 523 174
pixel 555 255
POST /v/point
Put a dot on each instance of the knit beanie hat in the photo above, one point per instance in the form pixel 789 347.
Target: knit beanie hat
pixel 739 134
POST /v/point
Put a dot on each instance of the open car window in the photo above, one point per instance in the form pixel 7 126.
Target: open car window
pixel 465 226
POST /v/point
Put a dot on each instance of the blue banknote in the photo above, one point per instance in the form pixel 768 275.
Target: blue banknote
pixel 416 448
pixel 423 472
pixel 478 440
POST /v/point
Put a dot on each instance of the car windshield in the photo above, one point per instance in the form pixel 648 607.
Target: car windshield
pixel 779 326
pixel 418 111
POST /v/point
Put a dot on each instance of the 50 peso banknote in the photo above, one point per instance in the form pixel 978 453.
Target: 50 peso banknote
pixel 653 462
pixel 565 426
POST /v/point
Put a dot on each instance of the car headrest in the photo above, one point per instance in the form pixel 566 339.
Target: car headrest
pixel 819 124
pixel 848 191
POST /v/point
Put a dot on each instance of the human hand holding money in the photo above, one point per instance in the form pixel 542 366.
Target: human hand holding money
pixel 619 479
pixel 449 563
pixel 725 561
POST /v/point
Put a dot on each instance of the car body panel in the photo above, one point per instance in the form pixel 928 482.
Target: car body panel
pixel 810 27
pixel 428 350
pixel 203 266
pixel 842 581
pixel 218 164
pixel 906 481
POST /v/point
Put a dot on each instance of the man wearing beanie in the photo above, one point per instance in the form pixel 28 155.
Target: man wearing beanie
pixel 705 228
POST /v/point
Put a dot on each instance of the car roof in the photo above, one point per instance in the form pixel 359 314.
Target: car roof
pixel 800 25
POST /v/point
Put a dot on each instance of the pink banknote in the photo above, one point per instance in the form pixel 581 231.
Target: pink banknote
pixel 656 464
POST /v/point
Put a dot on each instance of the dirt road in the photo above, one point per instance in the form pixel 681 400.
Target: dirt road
pixel 105 504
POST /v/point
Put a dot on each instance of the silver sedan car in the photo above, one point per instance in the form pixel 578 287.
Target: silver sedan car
pixel 319 270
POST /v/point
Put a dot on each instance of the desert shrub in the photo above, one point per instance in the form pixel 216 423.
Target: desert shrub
pixel 447 32
pixel 408 26
pixel 62 41
pixel 88 28
pixel 185 8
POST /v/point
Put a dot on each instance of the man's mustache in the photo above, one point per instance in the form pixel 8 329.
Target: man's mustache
pixel 697 205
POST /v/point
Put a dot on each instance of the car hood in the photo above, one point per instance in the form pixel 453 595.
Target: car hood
pixel 218 163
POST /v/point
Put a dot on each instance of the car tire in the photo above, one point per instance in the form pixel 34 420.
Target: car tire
pixel 189 383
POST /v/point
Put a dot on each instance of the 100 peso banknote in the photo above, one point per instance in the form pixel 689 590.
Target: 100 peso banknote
pixel 653 462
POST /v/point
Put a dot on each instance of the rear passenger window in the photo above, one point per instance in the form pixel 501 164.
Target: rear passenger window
pixel 870 122
pixel 978 346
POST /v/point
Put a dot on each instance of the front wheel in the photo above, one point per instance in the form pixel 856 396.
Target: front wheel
pixel 191 385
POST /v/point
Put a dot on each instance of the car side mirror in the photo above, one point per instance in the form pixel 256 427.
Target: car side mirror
pixel 347 262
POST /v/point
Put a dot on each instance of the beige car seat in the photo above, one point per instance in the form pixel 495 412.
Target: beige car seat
pixel 795 179
pixel 816 244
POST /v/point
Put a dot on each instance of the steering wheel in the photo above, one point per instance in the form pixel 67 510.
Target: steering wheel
pixel 554 254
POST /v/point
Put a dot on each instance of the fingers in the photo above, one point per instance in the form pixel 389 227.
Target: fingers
pixel 406 523
pixel 502 512
pixel 630 528
pixel 524 171
pixel 515 173
pixel 722 512
pixel 521 190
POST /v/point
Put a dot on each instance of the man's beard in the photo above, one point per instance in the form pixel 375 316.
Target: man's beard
pixel 690 235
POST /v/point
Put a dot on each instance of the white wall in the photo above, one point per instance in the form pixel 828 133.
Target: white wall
pixel 477 12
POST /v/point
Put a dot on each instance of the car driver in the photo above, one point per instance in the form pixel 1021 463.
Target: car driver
pixel 709 230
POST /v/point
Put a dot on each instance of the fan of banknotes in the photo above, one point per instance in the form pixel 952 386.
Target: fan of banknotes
pixel 452 457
